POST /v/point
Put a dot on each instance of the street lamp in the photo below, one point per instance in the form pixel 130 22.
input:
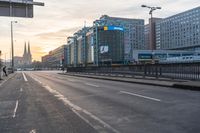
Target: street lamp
pixel 152 30
pixel 12 46
pixel 151 9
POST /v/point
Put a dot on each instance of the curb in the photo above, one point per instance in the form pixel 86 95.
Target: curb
pixel 187 87
pixel 111 79
pixel 175 85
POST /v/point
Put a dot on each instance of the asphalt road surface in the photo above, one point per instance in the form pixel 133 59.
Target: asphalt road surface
pixel 47 102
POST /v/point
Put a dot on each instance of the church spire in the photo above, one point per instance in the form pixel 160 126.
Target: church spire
pixel 25 52
pixel 29 51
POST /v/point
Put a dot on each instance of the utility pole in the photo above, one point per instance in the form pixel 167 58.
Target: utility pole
pixel 152 43
pixel 12 46
pixel 151 25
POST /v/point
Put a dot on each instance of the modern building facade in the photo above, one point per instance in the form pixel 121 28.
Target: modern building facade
pixel 151 29
pixel 96 45
pixel 153 56
pixel 56 58
pixel 77 48
pixel 147 36
pixel 109 45
pixel 90 46
pixel 133 32
pixel 82 48
pixel 179 32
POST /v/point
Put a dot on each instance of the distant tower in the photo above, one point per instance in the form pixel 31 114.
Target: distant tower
pixel 27 57
pixel 24 50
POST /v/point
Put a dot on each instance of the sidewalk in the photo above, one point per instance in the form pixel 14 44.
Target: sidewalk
pixel 4 78
pixel 181 84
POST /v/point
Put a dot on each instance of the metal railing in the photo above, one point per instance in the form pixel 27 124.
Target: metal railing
pixel 188 71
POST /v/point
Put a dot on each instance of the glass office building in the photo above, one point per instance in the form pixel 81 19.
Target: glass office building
pixel 109 46
pixel 179 32
pixel 133 32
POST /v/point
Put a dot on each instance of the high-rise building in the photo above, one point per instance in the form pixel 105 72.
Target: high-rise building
pixel 108 45
pixel 96 45
pixel 90 45
pixel 133 32
pixel 180 31
pixel 151 44
pixel 81 46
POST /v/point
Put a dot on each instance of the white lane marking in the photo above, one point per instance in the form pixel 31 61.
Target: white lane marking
pixel 146 97
pixel 76 109
pixel 92 85
pixel 21 89
pixel 71 80
pixel 33 131
pixel 15 110
pixel 25 79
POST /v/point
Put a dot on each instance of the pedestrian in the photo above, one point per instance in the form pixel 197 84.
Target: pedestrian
pixel 63 69
pixel 5 72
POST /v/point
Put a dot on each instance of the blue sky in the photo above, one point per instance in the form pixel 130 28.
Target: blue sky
pixel 61 18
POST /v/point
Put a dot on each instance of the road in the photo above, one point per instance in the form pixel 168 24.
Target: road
pixel 47 102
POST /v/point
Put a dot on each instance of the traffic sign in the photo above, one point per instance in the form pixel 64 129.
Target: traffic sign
pixel 18 8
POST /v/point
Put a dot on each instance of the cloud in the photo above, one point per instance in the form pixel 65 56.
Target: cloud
pixel 57 34
pixel 61 18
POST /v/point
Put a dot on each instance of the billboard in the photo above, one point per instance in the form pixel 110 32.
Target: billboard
pixel 113 28
pixel 18 8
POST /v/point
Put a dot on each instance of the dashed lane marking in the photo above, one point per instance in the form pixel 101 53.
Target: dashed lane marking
pixel 25 79
pixel 33 131
pixel 78 110
pixel 71 80
pixel 93 85
pixel 15 110
pixel 138 95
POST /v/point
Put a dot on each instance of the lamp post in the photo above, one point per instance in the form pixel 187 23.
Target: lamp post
pixel 151 9
pixel 151 25
pixel 12 45
pixel 152 29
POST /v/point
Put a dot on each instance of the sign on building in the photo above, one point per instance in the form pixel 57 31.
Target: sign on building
pixel 18 8
pixel 104 49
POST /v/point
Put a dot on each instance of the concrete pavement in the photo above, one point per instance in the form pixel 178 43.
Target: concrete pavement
pixel 26 107
pixel 49 102
pixel 127 107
